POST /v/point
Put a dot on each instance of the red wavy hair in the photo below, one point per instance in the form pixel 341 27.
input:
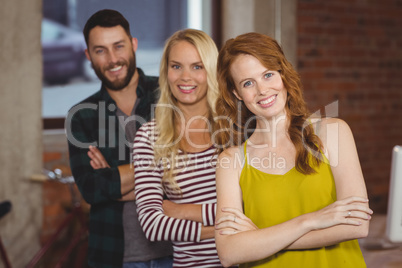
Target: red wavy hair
pixel 232 122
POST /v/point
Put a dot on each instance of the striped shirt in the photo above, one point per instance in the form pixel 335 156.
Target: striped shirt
pixel 195 175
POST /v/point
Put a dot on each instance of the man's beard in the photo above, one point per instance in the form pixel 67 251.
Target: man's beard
pixel 120 83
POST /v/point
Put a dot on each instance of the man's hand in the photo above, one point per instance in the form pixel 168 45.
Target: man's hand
pixel 130 196
pixel 126 173
pixel 97 159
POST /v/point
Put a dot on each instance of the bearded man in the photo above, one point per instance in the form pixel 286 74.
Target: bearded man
pixel 100 131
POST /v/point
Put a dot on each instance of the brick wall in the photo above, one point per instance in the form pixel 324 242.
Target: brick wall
pixel 350 51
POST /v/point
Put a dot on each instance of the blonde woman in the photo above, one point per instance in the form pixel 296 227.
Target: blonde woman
pixel 174 154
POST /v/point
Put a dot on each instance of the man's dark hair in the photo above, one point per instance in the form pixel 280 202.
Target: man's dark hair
pixel 106 18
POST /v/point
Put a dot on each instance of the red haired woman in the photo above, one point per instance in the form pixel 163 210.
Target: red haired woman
pixel 290 190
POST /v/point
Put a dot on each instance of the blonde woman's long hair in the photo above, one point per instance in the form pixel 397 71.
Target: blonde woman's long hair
pixel 167 112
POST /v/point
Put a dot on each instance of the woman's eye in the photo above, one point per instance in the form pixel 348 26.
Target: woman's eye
pixel 175 67
pixel 268 75
pixel 247 84
pixel 198 67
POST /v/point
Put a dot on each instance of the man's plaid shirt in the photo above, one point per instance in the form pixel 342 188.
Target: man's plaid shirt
pixel 94 122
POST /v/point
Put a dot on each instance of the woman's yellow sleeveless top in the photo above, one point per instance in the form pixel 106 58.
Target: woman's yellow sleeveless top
pixel 272 199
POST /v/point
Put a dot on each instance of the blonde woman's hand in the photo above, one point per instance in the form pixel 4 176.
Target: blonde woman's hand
pixel 171 209
pixel 191 212
pixel 233 222
pixel 350 211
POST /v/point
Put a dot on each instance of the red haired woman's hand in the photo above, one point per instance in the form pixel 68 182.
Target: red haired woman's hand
pixel 233 222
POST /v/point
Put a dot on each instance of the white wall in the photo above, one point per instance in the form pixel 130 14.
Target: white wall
pixel 21 126
pixel 275 18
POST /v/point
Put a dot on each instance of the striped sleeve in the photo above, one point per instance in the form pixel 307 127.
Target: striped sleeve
pixel 208 214
pixel 149 194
